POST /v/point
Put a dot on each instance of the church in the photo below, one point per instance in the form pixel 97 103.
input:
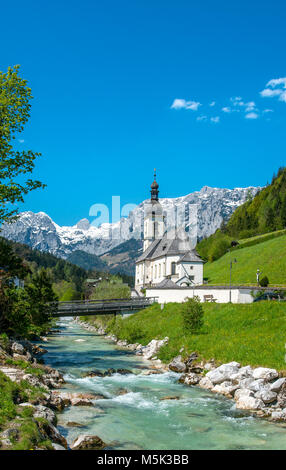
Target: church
pixel 167 260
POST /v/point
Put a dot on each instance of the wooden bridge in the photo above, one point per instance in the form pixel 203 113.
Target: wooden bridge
pixel 102 307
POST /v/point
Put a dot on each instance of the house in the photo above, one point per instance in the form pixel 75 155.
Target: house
pixel 167 259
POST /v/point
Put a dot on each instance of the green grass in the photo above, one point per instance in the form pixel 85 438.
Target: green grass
pixel 26 366
pixel 252 334
pixel 10 413
pixel 269 257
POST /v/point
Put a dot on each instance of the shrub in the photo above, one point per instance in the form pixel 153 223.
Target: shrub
pixel 192 313
pixel 264 281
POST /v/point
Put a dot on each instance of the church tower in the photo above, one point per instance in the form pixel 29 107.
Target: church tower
pixel 153 216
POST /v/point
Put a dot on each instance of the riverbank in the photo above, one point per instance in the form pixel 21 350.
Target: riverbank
pixel 27 405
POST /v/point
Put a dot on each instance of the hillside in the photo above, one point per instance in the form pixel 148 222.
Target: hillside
pixel 231 332
pixel 269 256
pixel 87 261
pixel 121 259
pixel 261 214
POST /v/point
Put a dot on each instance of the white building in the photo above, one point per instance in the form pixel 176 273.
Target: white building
pixel 167 259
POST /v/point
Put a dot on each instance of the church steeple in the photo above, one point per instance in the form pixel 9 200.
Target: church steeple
pixel 154 188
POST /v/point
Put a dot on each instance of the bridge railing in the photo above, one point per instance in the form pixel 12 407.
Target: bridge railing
pixel 92 301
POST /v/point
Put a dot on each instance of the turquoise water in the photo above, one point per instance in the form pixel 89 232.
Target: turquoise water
pixel 138 419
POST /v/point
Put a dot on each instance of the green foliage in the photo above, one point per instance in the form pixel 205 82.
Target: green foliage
pixel 192 314
pixel 231 332
pixel 112 289
pixel 41 299
pixel 264 281
pixel 269 256
pixel 264 213
pixel 15 97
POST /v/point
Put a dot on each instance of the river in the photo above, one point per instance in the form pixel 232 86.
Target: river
pixel 138 419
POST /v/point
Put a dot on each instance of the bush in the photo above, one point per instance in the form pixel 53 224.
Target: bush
pixel 264 281
pixel 192 313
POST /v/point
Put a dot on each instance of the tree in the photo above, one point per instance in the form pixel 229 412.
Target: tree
pixel 15 97
pixel 264 281
pixel 41 299
pixel 192 312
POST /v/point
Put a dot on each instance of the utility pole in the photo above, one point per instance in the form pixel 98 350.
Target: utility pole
pixel 230 268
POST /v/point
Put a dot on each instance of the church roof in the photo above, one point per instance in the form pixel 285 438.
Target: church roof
pixel 167 283
pixel 168 246
pixel 190 256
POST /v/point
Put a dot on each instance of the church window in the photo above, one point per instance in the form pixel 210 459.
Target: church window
pixel 156 270
pixel 159 270
pixel 173 268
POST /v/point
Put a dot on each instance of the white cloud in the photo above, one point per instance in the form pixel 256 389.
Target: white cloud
pixel 226 109
pixel 275 87
pixel 21 141
pixel 267 111
pixel 276 81
pixel 202 118
pixel 251 116
pixel 183 104
pixel 269 93
pixel 215 119
pixel 212 103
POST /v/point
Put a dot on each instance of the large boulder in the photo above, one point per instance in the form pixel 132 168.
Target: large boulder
pixel 190 379
pixel 17 348
pixel 279 415
pixel 223 372
pixel 153 347
pixel 226 388
pixel 265 373
pixel 277 385
pixel 41 411
pixel 177 365
pixel 266 396
pixel 206 383
pixel 85 442
pixel 49 431
pixel 245 400
pixel 243 373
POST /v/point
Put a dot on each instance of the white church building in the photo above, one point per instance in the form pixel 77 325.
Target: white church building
pixel 167 260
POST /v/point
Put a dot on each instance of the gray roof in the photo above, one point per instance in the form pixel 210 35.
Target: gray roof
pixel 168 283
pixel 170 246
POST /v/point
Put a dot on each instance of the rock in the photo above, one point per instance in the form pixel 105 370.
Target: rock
pixel 45 412
pixel 209 366
pixel 226 388
pixel 206 383
pixel 74 424
pixel 5 442
pixel 265 373
pixel 94 373
pixel 170 398
pixel 189 379
pixel 18 348
pixel 85 442
pixel 277 385
pixel 81 402
pixel 177 365
pixel 279 415
pixel 196 369
pixel 34 381
pixel 223 372
pixel 266 396
pixel 49 431
pixel 192 357
pixel 243 373
pixel 57 446
pixel 122 391
pixel 245 400
pixel 153 347
pixel 124 371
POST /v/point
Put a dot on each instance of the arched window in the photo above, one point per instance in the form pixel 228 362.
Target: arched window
pixel 173 268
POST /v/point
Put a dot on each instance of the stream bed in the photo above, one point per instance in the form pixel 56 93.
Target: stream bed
pixel 133 416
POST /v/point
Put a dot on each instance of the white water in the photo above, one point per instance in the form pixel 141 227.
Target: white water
pixel 138 419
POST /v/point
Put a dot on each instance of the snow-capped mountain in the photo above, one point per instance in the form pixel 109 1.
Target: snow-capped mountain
pixel 39 231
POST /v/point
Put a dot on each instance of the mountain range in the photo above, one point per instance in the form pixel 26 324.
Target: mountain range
pixel 115 246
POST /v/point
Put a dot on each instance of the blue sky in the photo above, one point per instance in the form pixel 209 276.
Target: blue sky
pixel 123 87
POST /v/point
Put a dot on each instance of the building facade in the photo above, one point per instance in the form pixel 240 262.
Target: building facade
pixel 167 258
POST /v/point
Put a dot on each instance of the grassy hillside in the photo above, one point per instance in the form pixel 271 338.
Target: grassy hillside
pixel 269 257
pixel 264 213
pixel 251 334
